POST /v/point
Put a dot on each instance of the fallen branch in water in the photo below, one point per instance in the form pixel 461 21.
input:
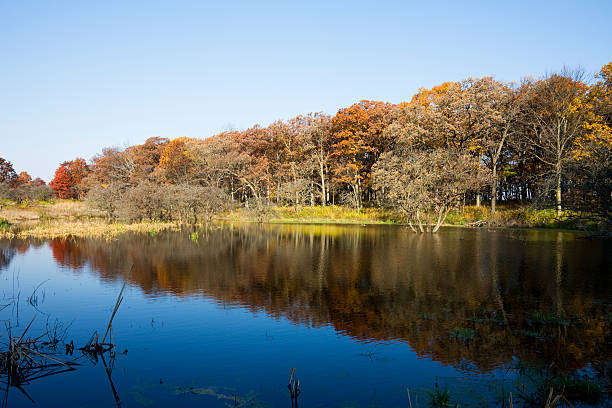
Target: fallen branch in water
pixel 477 224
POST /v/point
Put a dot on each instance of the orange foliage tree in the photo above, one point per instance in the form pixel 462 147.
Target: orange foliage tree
pixel 24 178
pixel 67 182
pixel 358 140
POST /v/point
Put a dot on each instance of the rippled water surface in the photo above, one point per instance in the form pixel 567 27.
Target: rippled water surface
pixel 218 316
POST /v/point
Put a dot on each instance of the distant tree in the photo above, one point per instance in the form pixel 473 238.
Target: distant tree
pixel 496 108
pixel 318 128
pixel 61 183
pixel 7 173
pixel 425 184
pixel 194 203
pixel 145 201
pixel 175 162
pixel 590 170
pixel 295 193
pixel 24 178
pixel 556 117
pixel 146 157
pixel 112 166
pixel 358 140
pixel 107 198
pixel 67 182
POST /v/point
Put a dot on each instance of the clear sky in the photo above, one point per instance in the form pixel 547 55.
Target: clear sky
pixel 77 76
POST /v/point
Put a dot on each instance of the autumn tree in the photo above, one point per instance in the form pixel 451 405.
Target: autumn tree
pixel 24 178
pixel 175 162
pixel 62 184
pixel 424 183
pixel 297 167
pixel 358 140
pixel 68 179
pixel 496 110
pixel 7 173
pixel 146 157
pixel 445 116
pixel 318 127
pixel 590 181
pixel 555 119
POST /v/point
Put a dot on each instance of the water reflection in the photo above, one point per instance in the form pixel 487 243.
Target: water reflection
pixel 468 298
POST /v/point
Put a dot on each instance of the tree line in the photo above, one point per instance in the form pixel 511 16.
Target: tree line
pixel 545 141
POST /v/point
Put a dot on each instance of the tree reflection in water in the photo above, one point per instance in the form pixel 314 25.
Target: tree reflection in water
pixel 474 299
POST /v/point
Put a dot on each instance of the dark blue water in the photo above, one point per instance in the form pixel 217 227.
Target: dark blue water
pixel 218 317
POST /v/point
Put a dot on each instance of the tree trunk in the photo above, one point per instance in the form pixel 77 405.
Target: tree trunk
pixel 441 217
pixel 419 221
pixel 494 190
pixel 477 200
pixel 322 174
pixel 558 194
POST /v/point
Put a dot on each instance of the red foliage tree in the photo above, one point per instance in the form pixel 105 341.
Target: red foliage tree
pixel 61 184
pixel 68 178
pixel 7 173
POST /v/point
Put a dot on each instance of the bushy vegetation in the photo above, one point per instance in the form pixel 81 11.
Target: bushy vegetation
pixel 24 193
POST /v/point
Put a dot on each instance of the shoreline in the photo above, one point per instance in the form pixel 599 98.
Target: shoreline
pixel 66 218
pixel 99 228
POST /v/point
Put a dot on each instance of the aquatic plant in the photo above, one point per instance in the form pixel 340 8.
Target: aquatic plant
pixel 23 360
pixel 294 389
pixel 440 398
pixel 94 346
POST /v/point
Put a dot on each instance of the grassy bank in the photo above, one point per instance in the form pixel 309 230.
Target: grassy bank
pixel 506 216
pixel 515 216
pixel 319 215
pixel 67 217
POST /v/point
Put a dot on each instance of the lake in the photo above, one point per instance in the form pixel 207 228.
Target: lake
pixel 218 316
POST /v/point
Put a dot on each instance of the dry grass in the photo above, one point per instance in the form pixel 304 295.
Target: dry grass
pixel 64 218
pixel 68 208
pixel 17 214
pixel 332 214
pixel 84 228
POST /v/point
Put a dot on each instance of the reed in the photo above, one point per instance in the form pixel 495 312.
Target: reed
pixel 23 361
pixel 294 389
pixel 96 346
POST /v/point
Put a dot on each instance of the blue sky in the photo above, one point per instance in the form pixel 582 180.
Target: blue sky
pixel 77 76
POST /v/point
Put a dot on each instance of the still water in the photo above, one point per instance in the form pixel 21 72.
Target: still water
pixel 218 316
